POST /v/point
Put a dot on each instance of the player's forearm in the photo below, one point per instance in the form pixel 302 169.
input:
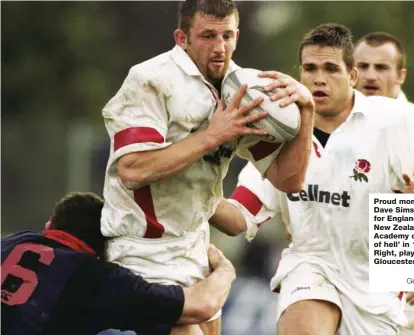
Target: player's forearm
pixel 140 168
pixel 287 171
pixel 228 219
pixel 204 299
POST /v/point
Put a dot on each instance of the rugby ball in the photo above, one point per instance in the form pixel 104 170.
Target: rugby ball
pixel 282 123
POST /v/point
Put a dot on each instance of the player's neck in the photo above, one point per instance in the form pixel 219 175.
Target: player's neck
pixel 217 85
pixel 397 93
pixel 218 88
pixel 329 123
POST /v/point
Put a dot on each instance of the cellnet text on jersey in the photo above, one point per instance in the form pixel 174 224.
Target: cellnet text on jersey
pixel 313 193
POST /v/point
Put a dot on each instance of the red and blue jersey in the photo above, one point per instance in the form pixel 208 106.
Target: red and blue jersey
pixel 48 288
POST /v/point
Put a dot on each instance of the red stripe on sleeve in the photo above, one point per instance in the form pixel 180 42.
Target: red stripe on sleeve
pixel 143 198
pixel 248 199
pixel 263 149
pixel 136 135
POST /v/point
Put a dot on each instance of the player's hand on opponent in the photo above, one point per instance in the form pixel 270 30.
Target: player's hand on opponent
pixel 217 259
pixel 231 122
pixel 293 91
pixel 408 186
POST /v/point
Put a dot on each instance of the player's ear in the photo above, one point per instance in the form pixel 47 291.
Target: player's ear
pixel 402 75
pixel 300 72
pixel 180 37
pixel 353 76
pixel 48 225
pixel 237 38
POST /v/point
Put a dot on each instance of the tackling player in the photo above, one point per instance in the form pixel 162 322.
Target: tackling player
pixel 53 283
pixel 171 144
pixel 361 145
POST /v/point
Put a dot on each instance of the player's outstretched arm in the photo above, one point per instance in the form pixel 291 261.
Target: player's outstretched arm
pixel 204 299
pixel 287 171
pixel 130 302
pixel 254 201
pixel 227 124
pixel 228 219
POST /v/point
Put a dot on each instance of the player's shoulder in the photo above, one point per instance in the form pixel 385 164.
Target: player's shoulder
pixel 21 237
pixel 9 242
pixel 384 105
pixel 385 112
pixel 249 172
pixel 155 67
pixel 410 106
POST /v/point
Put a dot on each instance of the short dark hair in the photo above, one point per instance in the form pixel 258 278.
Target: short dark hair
pixel 79 214
pixel 379 38
pixel 216 8
pixel 333 35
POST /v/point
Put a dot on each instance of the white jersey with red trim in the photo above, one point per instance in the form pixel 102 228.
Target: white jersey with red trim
pixel 328 218
pixel 408 309
pixel 161 102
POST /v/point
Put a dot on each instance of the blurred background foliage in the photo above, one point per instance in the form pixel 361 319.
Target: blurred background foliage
pixel 62 61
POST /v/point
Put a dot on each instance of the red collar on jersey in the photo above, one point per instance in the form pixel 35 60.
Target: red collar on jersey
pixel 68 240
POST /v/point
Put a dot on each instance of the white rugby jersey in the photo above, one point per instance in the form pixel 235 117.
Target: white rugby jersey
pixel 162 101
pixel 401 97
pixel 408 309
pixel 328 218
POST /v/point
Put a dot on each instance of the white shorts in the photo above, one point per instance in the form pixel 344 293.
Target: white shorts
pixel 308 282
pixel 179 260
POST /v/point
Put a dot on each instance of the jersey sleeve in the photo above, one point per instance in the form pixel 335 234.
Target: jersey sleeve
pixel 134 304
pixel 136 117
pixel 258 200
pixel 401 147
pixel 260 153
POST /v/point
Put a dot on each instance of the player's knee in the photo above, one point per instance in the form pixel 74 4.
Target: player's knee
pixel 208 311
pixel 212 327
pixel 186 330
pixel 310 317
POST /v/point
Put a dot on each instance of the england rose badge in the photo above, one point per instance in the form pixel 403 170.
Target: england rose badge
pixel 362 167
